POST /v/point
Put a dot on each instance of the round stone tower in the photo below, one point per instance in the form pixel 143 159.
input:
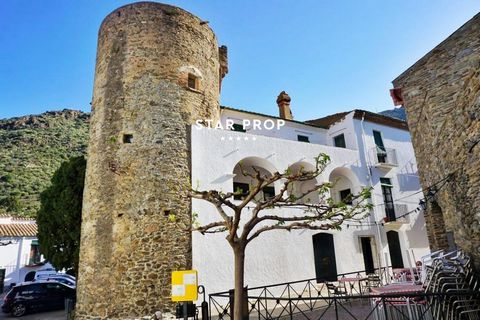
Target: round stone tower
pixel 158 69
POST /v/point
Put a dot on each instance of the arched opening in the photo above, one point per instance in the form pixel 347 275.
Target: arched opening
pixel 243 180
pixel 345 184
pixel 437 233
pixel 302 188
pixel 395 249
pixel 324 256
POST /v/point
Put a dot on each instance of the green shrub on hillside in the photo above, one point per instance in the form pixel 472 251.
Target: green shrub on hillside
pixel 32 149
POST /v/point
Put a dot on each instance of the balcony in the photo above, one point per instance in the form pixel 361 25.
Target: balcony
pixel 393 216
pixel 384 158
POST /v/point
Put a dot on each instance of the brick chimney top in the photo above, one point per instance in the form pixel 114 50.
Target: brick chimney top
pixel 283 102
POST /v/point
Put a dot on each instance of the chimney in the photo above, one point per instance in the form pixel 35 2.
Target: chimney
pixel 283 101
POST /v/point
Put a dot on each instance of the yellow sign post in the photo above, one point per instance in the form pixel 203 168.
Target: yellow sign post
pixel 184 285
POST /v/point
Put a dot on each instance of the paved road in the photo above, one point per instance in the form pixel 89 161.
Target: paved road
pixel 53 315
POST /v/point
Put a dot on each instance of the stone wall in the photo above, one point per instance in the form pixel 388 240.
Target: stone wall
pixel 139 157
pixel 441 94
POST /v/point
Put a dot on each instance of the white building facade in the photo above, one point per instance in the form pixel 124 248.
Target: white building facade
pixel 366 150
pixel 19 249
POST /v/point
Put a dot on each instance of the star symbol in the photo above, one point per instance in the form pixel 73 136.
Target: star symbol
pixel 246 138
pixel 222 138
pixel 230 138
pixel 238 138
pixel 254 138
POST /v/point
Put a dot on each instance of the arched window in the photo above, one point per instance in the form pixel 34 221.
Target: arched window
pixel 345 184
pixel 243 180
pixel 301 188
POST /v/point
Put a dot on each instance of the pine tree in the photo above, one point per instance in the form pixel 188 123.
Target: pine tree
pixel 60 215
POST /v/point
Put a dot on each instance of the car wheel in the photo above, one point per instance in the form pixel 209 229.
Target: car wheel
pixel 19 310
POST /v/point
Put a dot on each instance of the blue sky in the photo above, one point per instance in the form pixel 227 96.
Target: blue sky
pixel 330 56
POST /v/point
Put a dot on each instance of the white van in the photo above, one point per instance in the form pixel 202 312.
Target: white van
pixel 45 273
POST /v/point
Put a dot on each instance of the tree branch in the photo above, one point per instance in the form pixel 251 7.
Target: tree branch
pixel 206 228
pixel 292 226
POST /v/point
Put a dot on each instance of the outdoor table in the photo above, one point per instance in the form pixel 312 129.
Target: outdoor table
pixel 398 288
pixel 398 302
pixel 351 281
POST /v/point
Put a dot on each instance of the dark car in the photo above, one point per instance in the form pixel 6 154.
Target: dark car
pixel 36 296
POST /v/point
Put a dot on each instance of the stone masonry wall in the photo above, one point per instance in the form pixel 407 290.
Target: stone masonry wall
pixel 139 157
pixel 441 94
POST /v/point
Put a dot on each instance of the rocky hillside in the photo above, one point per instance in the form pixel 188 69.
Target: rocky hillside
pixel 398 113
pixel 31 149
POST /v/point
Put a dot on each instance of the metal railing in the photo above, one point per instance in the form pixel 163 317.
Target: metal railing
pixel 310 299
pixel 397 210
pixel 268 298
pixel 407 306
pixel 384 157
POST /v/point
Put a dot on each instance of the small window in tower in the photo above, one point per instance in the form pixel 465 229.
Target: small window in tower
pixel 192 81
pixel 127 138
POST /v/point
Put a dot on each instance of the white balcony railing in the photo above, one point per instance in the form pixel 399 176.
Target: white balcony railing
pixel 384 157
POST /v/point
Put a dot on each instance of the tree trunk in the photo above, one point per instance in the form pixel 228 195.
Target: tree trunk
pixel 238 299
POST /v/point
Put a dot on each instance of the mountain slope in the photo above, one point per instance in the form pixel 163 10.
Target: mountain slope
pixel 398 113
pixel 32 148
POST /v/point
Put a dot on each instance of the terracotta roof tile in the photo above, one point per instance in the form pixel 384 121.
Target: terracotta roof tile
pixel 18 230
pixel 22 219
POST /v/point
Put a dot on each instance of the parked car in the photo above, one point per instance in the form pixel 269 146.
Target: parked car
pixel 36 296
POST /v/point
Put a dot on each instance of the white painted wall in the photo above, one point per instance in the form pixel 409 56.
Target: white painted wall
pixel 280 256
pixel 345 127
pixel 290 131
pixel 405 181
pixel 14 257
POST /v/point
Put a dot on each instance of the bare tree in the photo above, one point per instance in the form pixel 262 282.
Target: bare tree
pixel 245 220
